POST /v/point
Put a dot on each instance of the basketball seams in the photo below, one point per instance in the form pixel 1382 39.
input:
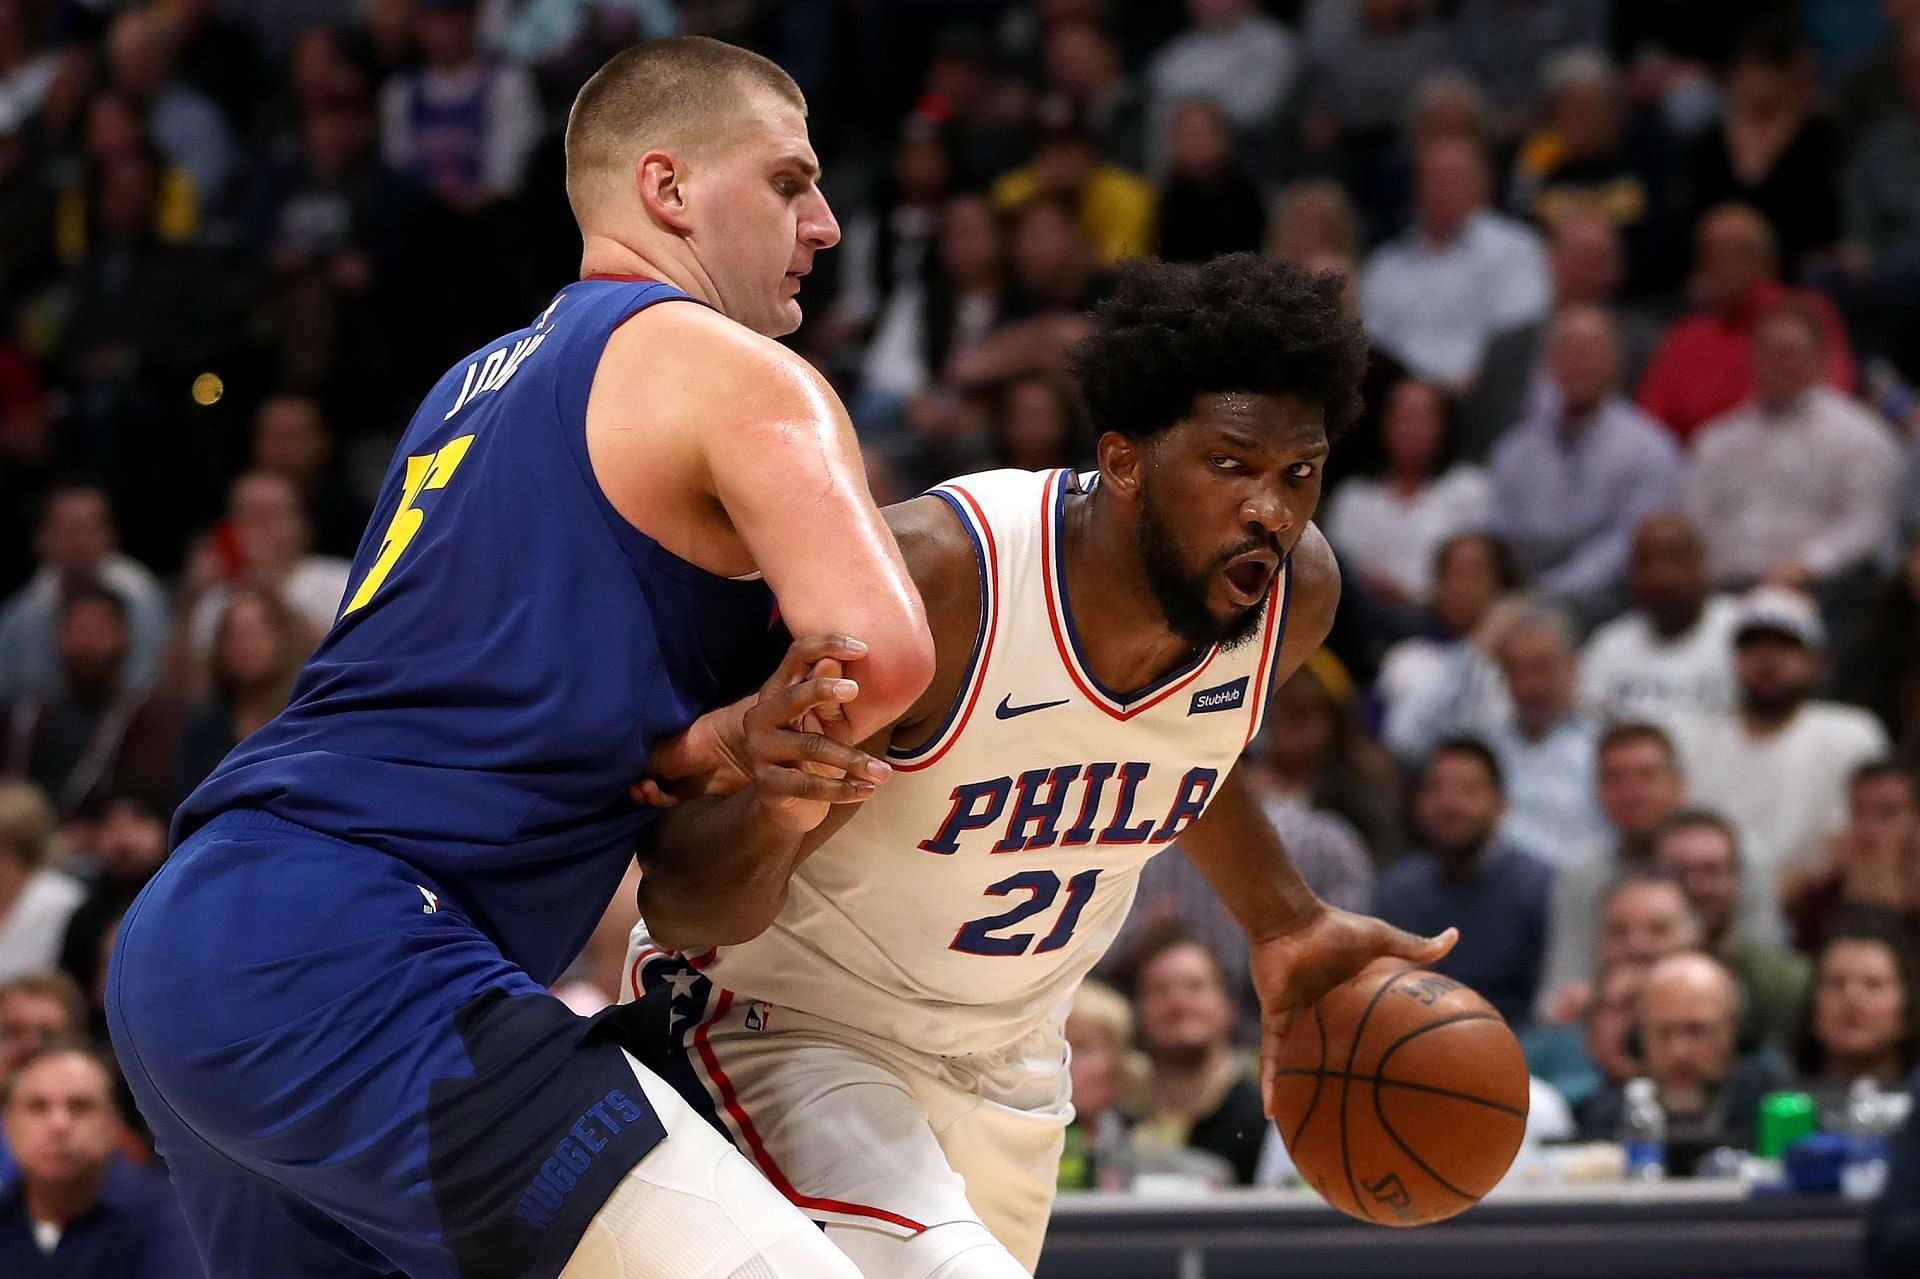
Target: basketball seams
pixel 1319 1077
pixel 1346 1083
pixel 1410 1085
pixel 1380 1113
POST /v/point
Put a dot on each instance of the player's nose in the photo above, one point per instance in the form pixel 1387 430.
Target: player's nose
pixel 819 229
pixel 1268 510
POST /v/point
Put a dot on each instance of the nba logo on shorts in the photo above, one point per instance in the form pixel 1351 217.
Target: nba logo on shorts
pixel 759 1015
pixel 433 901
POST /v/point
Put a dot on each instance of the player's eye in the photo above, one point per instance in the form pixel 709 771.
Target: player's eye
pixel 1302 470
pixel 1221 461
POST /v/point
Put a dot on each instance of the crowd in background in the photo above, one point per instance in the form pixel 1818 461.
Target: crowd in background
pixel 1626 677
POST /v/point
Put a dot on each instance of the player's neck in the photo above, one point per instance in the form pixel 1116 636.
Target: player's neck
pixel 1123 634
pixel 602 255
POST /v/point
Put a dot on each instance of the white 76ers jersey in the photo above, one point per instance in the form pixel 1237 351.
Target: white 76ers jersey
pixel 962 904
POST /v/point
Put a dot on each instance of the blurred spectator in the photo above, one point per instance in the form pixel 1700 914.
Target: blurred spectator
pixel 115 128
pixel 1591 156
pixel 216 56
pixel 26 456
pixel 142 53
pixel 1055 278
pixel 27 210
pixel 35 901
pixel 1363 61
pixel 1234 55
pixel 1506 44
pixel 1201 1094
pixel 1689 1012
pixel 1471 572
pixel 1599 1051
pixel 1545 741
pixel 462 125
pixel 1387 529
pixel 1861 1014
pixel 27 66
pixel 1314 223
pixel 1702 853
pixel 1571 483
pixel 1084 64
pixel 1106 1075
pixel 1704 366
pixel 1882 210
pixel 1646 916
pixel 1802 488
pixel 323 69
pixel 1885 676
pixel 1041 424
pixel 1778 765
pixel 1872 89
pixel 78 1208
pixel 1893 1221
pixel 1771 150
pixel 1316 755
pixel 1467 876
pixel 1587 264
pixel 98 727
pixel 330 221
pixel 1114 206
pixel 131 844
pixel 886 251
pixel 1208 204
pixel 1873 861
pixel 291 439
pixel 1640 785
pixel 1458 277
pixel 265 543
pixel 924 324
pixel 36 1009
pixel 1673 654
pixel 77 543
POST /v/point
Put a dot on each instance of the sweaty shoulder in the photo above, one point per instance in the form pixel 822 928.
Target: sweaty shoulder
pixel 945 568
pixel 679 388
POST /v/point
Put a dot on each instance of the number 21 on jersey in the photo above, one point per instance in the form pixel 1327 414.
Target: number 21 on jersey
pixel 424 471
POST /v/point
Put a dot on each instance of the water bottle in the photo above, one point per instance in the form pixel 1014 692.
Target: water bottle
pixel 1112 1152
pixel 1643 1131
pixel 1864 1171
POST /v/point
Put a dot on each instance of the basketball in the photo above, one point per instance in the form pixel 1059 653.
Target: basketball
pixel 1402 1097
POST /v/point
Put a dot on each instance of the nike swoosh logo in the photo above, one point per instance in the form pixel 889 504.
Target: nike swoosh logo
pixel 1005 711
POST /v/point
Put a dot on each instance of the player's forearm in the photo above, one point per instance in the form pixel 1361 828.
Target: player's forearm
pixel 1235 847
pixel 714 872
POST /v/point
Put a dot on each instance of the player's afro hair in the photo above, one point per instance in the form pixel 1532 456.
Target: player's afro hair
pixel 1172 331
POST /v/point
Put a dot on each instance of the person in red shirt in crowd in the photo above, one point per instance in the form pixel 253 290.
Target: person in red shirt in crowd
pixel 1704 366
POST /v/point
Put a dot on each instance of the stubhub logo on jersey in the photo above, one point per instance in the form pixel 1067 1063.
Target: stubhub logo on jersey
pixel 1221 697
pixel 1028 810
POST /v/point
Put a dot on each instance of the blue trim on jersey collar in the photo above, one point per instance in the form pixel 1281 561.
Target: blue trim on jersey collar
pixel 979 635
pixel 1073 634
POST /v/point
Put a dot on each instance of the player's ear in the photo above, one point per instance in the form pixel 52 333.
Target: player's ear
pixel 1121 463
pixel 662 183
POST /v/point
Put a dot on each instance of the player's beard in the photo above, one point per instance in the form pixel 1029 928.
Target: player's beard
pixel 1182 596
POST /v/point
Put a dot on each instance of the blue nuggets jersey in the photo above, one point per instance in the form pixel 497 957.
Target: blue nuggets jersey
pixel 509 651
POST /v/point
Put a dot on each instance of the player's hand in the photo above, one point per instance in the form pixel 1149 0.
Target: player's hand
pixel 1293 970
pixel 784 740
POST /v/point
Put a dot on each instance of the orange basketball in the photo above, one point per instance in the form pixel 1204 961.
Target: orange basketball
pixel 1403 1097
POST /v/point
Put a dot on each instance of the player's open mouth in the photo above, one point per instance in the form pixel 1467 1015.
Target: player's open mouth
pixel 1248 576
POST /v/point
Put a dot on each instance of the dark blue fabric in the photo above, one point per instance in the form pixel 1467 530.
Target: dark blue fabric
pixel 1893 1227
pixel 481 716
pixel 346 1076
pixel 1500 908
pixel 133 1231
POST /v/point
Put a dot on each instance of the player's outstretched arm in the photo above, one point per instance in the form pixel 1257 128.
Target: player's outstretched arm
pixel 1301 947
pixel 734 454
pixel 714 869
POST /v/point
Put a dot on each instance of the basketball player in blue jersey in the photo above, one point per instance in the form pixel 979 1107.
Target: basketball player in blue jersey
pixel 331 1003
pixel 887 1047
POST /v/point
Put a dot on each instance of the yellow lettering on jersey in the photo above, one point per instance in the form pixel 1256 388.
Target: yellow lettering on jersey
pixel 424 471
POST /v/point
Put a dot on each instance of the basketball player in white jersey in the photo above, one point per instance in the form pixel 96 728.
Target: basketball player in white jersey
pixel 888 1050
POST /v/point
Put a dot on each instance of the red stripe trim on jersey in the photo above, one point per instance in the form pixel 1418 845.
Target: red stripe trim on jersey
pixel 1269 648
pixel 731 1101
pixel 1056 585
pixel 977 677
pixel 623 279
pixel 633 973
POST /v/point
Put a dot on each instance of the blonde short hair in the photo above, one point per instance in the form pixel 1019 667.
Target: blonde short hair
pixel 27 821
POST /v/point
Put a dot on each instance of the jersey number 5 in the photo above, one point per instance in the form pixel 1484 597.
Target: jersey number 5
pixel 977 937
pixel 424 471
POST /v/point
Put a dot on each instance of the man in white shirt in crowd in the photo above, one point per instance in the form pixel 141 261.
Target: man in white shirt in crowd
pixel 77 543
pixel 1640 785
pixel 1545 742
pixel 1777 766
pixel 1434 297
pixel 1575 476
pixel 1234 55
pixel 274 540
pixel 1801 486
pixel 1673 654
